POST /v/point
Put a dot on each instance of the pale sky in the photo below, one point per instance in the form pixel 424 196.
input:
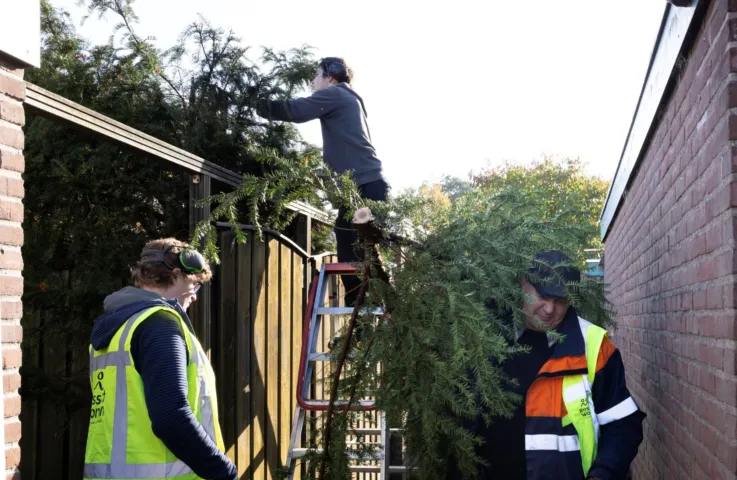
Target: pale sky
pixel 451 86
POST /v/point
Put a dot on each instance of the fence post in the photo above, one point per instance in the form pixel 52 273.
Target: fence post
pixel 201 311
pixel 303 232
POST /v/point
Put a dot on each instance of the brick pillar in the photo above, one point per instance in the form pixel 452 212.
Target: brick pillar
pixel 12 118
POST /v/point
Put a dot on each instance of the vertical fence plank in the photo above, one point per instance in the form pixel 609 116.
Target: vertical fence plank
pixel 225 342
pixel 286 379
pixel 301 274
pixel 78 417
pixel 242 358
pixel 51 429
pixel 258 361
pixel 272 358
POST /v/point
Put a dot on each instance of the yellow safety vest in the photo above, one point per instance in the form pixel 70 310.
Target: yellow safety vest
pixel 579 402
pixel 120 442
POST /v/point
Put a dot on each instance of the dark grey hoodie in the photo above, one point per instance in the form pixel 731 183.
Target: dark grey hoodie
pixel 160 356
pixel 346 140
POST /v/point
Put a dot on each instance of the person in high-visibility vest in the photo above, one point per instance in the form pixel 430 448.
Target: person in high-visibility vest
pixel 577 419
pixel 154 407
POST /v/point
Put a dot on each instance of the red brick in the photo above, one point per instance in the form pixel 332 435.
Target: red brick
pixel 724 326
pixel 11 285
pixel 716 358
pixel 12 457
pixel 11 235
pixel 713 179
pixel 12 187
pixel 12 333
pixel 12 112
pixel 10 260
pixel 717 471
pixel 12 87
pixel 730 361
pixel 12 211
pixel 725 264
pixel 709 438
pixel 12 406
pixel 12 357
pixel 726 390
pixel 703 353
pixel 13 309
pixel 708 327
pixel 12 161
pixel 11 135
pixel 727 455
pixel 714 296
pixel 11 382
pixel 730 295
pixel 12 432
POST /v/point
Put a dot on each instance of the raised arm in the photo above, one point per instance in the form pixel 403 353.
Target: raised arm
pixel 299 110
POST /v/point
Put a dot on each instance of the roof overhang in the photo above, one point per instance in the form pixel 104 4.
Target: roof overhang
pixel 678 29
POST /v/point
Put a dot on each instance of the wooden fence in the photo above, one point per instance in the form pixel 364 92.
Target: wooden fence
pixel 257 300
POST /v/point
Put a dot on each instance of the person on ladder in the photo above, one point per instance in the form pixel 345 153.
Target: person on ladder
pixel 154 408
pixel 346 146
pixel 577 419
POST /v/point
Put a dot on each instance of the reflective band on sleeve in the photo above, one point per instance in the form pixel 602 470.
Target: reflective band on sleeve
pixel 560 443
pixel 617 412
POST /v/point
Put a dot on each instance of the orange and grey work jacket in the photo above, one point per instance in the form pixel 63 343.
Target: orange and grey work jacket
pixel 557 449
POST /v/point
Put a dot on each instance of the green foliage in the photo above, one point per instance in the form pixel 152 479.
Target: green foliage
pixel 454 304
pixel 90 205
pixel 557 186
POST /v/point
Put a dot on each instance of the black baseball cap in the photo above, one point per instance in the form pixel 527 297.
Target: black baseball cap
pixel 551 272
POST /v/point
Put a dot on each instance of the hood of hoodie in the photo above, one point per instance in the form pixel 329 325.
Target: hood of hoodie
pixel 347 86
pixel 122 305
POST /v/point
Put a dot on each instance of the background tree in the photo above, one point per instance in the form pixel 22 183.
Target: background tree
pixel 556 186
pixel 454 187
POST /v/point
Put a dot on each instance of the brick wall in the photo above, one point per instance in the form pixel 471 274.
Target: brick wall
pixel 12 94
pixel 672 265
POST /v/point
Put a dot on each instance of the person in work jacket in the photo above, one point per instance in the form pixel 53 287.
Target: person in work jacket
pixel 577 419
pixel 346 146
pixel 154 408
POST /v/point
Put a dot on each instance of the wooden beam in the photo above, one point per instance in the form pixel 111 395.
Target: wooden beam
pixel 46 104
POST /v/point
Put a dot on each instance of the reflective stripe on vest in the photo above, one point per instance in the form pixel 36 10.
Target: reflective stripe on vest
pixel 578 397
pixel 119 466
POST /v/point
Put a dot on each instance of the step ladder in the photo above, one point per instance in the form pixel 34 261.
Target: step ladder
pixel 314 315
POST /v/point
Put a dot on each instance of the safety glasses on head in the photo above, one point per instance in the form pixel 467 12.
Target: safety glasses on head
pixel 187 259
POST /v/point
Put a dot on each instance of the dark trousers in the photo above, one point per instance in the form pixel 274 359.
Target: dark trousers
pixel 349 251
